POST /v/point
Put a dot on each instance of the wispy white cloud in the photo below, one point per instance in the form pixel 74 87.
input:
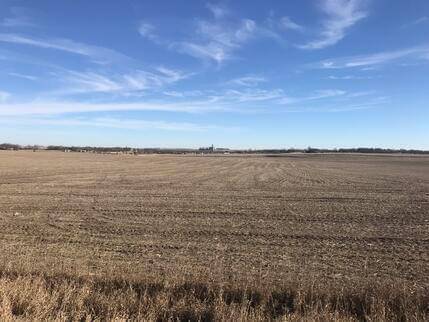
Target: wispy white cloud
pixel 142 125
pixel 114 123
pixel 142 80
pixel 83 82
pixel 213 40
pixel 252 95
pixel 360 94
pixel 286 23
pixel 424 19
pixel 341 15
pixel 348 77
pixel 247 101
pixel 218 41
pixel 237 100
pixel 171 75
pixel 28 77
pixel 375 102
pixel 247 81
pixel 347 102
pixel 218 10
pixel 230 98
pixel 148 30
pixel 20 18
pixel 38 107
pixel 326 93
pixel 97 54
pixel 373 59
pixel 418 21
pixel 139 80
pixel 317 95
pixel 421 20
pixel 183 94
pixel 4 96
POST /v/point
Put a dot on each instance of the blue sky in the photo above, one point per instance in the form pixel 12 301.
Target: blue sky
pixel 239 74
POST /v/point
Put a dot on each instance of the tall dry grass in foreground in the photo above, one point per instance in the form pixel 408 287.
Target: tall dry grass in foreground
pixel 41 296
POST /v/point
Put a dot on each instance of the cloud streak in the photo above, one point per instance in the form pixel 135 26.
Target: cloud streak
pixel 317 95
pixel 217 10
pixel 341 16
pixel 28 77
pixel 196 102
pixel 419 21
pixel 286 23
pixel 148 31
pixel 4 96
pixel 113 123
pixel 214 40
pixel 97 54
pixel 247 81
pixel 253 95
pixel 373 59
pixel 67 107
pixel 123 84
pixel 218 42
pixel 19 18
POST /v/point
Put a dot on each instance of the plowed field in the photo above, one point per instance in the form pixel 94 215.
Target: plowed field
pixel 265 218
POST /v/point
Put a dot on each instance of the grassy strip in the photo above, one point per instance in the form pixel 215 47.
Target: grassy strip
pixel 40 296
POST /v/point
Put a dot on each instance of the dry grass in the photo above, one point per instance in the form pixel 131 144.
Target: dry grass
pixel 332 237
pixel 39 296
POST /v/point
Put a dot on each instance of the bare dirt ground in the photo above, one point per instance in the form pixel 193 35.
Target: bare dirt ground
pixel 264 219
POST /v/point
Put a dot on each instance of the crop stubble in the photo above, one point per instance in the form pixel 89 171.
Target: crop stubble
pixel 264 218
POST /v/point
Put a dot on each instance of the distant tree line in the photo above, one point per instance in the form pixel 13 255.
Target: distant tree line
pixel 9 146
pixel 128 150
pixel 87 148
pixel 340 150
pixel 115 149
